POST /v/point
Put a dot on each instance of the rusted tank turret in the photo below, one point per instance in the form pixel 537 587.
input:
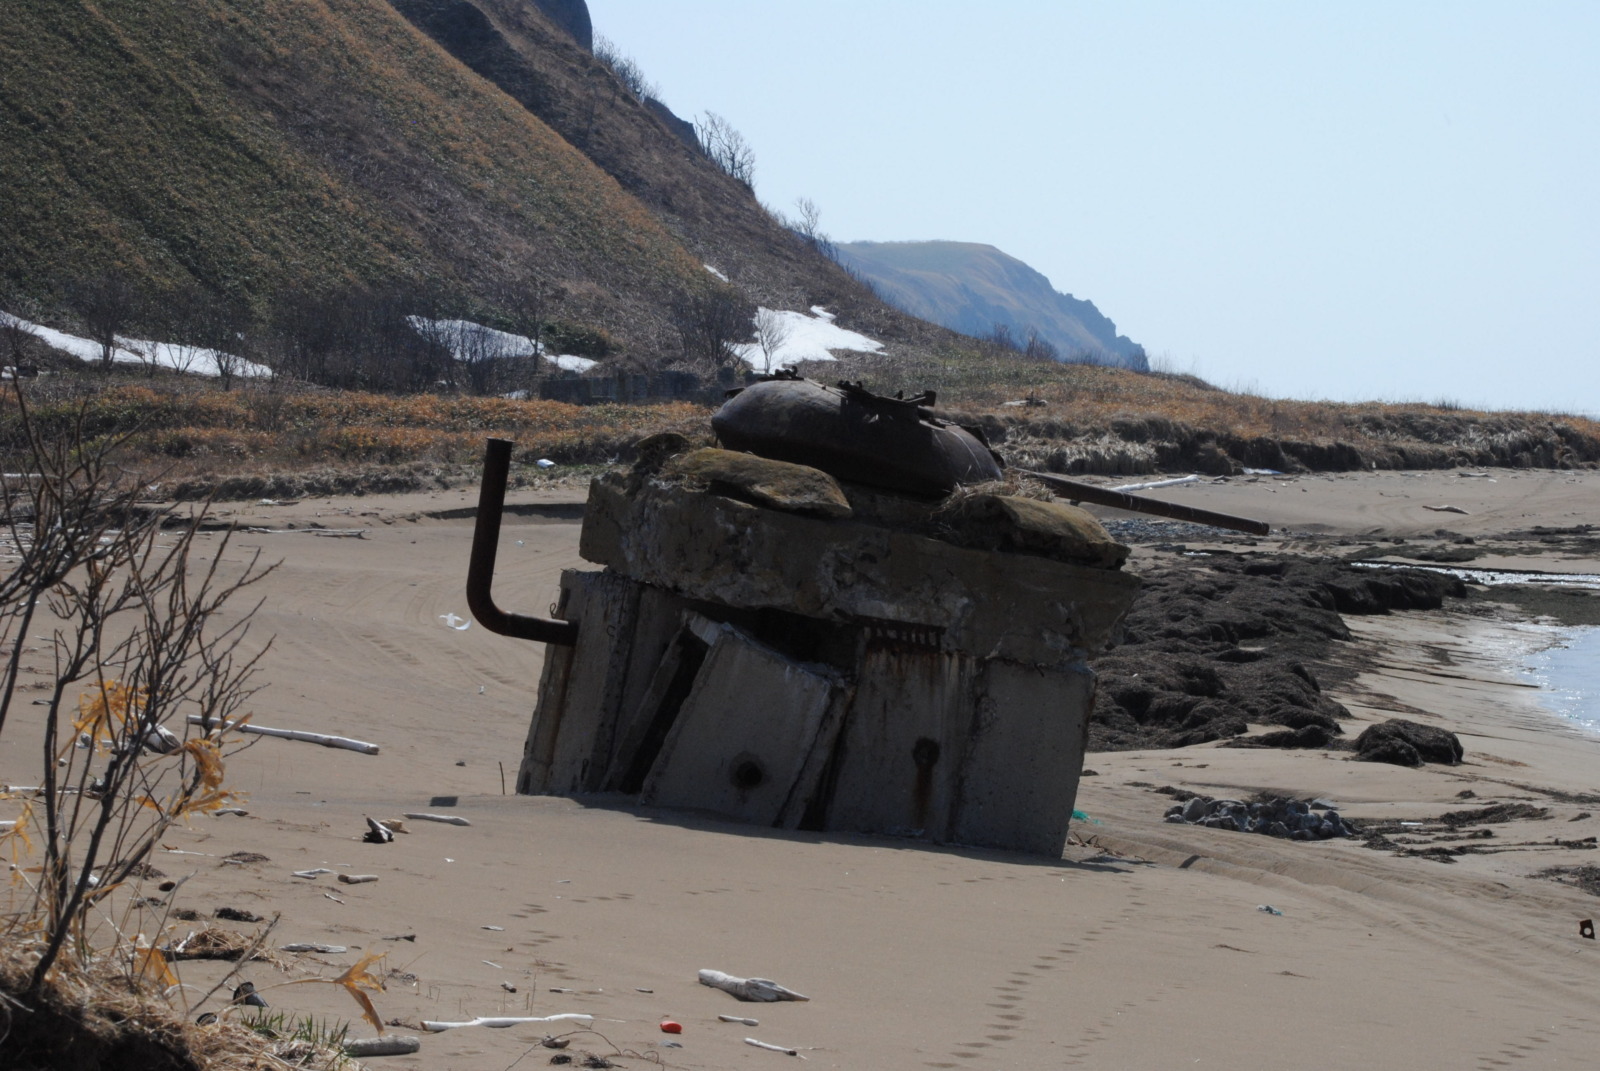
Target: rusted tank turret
pixel 828 639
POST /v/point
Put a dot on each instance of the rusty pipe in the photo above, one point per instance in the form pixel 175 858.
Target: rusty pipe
pixel 485 546
pixel 1104 496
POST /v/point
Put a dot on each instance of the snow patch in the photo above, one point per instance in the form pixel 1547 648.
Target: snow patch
pixel 469 342
pixel 799 337
pixel 180 358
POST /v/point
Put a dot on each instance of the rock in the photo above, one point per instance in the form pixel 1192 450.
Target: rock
pixel 1030 526
pixel 763 482
pixel 1195 809
pixel 1406 743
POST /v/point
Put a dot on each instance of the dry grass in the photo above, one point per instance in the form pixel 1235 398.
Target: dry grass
pixel 182 430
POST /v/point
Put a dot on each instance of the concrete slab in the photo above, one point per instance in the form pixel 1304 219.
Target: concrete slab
pixel 741 737
pixel 1024 757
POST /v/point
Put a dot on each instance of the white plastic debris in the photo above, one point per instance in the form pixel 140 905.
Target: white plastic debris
pixel 545 463
pixel 501 1022
pixel 460 624
pixel 753 989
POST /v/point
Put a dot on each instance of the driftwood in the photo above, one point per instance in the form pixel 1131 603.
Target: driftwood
pixel 357 879
pixel 389 1046
pixel 377 832
pixel 1445 509
pixel 772 1048
pixel 501 1021
pixel 311 946
pixel 448 819
pixel 753 989
pixel 295 734
pixel 741 1020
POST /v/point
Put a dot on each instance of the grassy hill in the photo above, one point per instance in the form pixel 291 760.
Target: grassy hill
pixel 256 148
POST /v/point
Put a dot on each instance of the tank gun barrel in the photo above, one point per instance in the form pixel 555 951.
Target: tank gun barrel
pixel 1104 496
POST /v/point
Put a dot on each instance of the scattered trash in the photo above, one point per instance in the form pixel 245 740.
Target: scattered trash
pixel 460 624
pixel 1269 909
pixel 447 819
pixel 246 993
pixel 1586 929
pixel 1082 816
pixel 495 1022
pixel 377 832
pixel 312 872
pixel 497 929
pixel 552 1042
pixel 671 1026
pixel 310 946
pixel 357 879
pixel 508 987
pixel 240 811
pixel 672 1044
pixel 1446 509
pixel 640 989
pixel 293 734
pixel 772 1048
pixel 558 989
pixel 402 937
pixel 741 1020
pixel 330 896
pixel 492 963
pixel 751 989
pixel 545 463
pixel 393 1045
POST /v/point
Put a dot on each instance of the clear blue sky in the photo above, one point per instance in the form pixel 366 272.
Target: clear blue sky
pixel 1346 201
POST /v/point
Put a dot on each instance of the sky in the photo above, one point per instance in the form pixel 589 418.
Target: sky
pixel 1347 201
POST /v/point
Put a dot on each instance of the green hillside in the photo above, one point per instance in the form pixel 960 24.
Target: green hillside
pixel 255 146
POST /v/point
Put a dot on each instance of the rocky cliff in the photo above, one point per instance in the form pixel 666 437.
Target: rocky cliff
pixel 974 288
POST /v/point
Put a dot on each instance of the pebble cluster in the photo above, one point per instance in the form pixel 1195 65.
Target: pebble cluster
pixel 1276 817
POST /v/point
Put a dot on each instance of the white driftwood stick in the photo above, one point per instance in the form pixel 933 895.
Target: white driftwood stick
pixel 741 1020
pixel 754 989
pixel 389 1046
pixel 357 879
pixel 771 1048
pixel 296 734
pixel 448 819
pixel 499 1021
pixel 311 946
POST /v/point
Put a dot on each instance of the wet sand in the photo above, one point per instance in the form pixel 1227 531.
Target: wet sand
pixel 1143 947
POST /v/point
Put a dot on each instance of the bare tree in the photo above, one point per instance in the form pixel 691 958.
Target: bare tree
pixel 772 331
pixel 530 305
pixel 727 148
pixel 627 70
pixel 107 303
pixel 808 225
pixel 710 324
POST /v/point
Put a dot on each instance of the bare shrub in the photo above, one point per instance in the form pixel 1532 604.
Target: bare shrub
pixel 136 646
pixel 625 67
pixel 772 331
pixel 727 148
pixel 710 324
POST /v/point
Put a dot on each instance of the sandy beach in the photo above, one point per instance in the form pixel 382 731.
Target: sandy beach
pixel 1144 947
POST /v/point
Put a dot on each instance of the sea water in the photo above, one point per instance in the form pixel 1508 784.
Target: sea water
pixel 1568 676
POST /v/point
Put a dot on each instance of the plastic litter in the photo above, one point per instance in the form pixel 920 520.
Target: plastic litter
pixel 1269 909
pixel 1586 929
pixel 545 463
pixel 670 1026
pixel 460 624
